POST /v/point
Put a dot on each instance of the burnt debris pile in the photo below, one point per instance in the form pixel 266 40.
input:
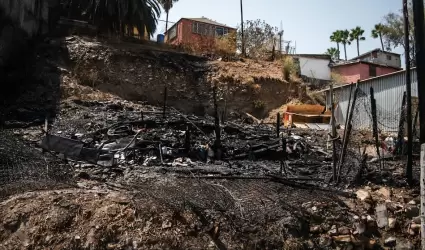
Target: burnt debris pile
pixel 117 140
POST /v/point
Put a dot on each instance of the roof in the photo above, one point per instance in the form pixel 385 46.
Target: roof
pixel 208 21
pixel 367 80
pixel 317 56
pixel 202 20
pixel 375 50
pixel 358 61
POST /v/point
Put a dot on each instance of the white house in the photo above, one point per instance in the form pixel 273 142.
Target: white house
pixel 314 68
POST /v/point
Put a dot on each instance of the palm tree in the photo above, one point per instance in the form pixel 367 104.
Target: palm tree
pixel 337 38
pixel 345 39
pixel 123 16
pixel 356 34
pixel 377 32
pixel 333 52
pixel 167 5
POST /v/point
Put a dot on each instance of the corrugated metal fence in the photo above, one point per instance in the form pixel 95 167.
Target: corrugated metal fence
pixel 388 89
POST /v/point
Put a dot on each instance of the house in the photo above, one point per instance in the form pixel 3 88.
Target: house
pixel 196 30
pixel 314 69
pixel 388 93
pixel 380 57
pixel 371 64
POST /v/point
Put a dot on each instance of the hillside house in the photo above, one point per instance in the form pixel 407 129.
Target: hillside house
pixel 196 31
pixel 371 64
pixel 314 68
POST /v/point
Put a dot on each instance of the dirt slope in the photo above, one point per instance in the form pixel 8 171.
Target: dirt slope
pixel 139 73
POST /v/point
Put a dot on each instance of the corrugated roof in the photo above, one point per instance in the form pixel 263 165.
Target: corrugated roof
pixel 207 20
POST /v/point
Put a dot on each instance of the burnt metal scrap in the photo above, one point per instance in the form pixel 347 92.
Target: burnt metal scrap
pixel 186 144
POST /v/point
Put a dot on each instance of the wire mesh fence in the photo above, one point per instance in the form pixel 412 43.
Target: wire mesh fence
pixel 26 168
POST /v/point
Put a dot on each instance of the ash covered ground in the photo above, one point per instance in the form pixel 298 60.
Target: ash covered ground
pixel 120 175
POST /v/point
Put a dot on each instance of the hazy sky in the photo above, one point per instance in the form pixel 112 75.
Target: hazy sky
pixel 308 22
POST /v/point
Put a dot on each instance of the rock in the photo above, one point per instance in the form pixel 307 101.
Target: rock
pixel 343 239
pixel 325 241
pixel 412 211
pixel 384 192
pixel 333 231
pixel 417 220
pixel 392 222
pixel 363 195
pixel 370 244
pixel 344 231
pixel 412 202
pixel 360 227
pixel 382 215
pixel 415 227
pixel 390 242
pixel 405 246
pixel 315 229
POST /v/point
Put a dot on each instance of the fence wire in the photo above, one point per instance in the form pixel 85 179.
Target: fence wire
pixel 26 168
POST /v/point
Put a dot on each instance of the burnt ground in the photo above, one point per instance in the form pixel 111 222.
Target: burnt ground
pixel 112 178
pixel 188 200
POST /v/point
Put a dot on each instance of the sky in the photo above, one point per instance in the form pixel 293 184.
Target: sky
pixel 309 23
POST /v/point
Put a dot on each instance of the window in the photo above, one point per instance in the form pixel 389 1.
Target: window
pixel 208 30
pixel 388 57
pixel 372 70
pixel 220 31
pixel 172 33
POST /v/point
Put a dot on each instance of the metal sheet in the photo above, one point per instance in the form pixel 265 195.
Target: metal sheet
pixel 68 147
pixel 388 90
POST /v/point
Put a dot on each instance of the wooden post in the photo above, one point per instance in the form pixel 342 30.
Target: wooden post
pixel 217 143
pixel 284 157
pixel 400 136
pixel 334 157
pixel 278 124
pixel 165 102
pixel 422 176
pixel 375 125
pixel 408 94
pixel 347 133
pixel 418 17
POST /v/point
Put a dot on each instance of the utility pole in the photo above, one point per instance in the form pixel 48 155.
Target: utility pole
pixel 418 14
pixel 408 94
pixel 242 31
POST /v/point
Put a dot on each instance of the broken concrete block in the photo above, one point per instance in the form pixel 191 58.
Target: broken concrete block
pixel 363 195
pixel 381 215
pixel 384 192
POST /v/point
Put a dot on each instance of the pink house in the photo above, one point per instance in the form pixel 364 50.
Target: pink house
pixel 370 64
pixel 360 70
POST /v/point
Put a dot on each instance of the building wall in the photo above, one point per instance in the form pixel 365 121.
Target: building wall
pixel 186 36
pixel 383 58
pixel 315 68
pixel 360 71
pixel 388 91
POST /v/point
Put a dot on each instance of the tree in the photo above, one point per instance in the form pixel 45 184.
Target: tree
pixel 377 33
pixel 333 52
pixel 393 32
pixel 167 5
pixel 258 38
pixel 356 34
pixel 337 38
pixel 345 39
pixel 120 17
